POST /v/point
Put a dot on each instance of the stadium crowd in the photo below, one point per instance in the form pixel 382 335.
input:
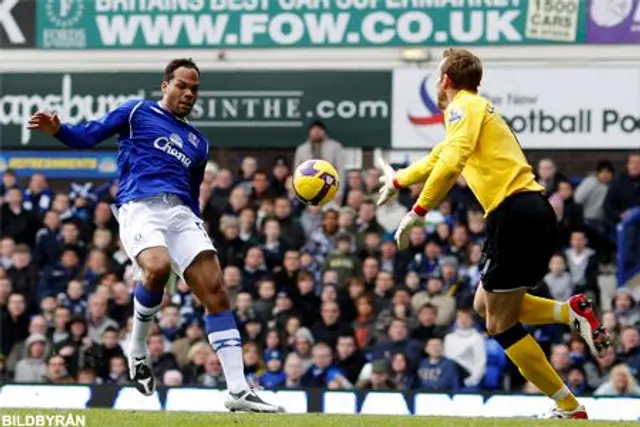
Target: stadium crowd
pixel 321 295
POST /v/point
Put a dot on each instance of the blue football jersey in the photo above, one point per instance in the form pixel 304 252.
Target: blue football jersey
pixel 157 151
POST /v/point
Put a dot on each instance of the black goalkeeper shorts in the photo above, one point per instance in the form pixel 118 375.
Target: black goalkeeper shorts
pixel 522 235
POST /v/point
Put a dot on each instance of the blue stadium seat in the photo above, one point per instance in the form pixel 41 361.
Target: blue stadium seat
pixel 496 362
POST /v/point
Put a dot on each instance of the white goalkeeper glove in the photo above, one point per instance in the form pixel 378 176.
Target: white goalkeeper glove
pixel 414 217
pixel 388 184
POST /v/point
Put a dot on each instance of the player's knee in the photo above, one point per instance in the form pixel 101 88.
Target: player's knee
pixel 157 274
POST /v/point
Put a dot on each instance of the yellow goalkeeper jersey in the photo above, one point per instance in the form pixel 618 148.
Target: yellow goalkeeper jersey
pixel 480 145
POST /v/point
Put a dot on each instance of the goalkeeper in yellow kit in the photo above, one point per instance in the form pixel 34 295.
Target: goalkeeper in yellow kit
pixel 522 230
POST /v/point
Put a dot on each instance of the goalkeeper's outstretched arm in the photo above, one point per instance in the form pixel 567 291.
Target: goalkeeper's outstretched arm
pixel 419 171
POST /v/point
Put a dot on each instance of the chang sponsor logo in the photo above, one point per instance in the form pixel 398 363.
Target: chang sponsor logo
pixel 172 146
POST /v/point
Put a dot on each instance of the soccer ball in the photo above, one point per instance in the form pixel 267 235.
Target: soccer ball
pixel 316 182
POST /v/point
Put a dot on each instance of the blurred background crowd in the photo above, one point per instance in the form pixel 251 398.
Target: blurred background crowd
pixel 322 296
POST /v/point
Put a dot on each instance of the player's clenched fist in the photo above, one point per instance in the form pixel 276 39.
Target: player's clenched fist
pixel 44 122
pixel 388 185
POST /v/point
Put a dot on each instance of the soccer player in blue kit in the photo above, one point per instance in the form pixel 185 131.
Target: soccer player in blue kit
pixel 161 161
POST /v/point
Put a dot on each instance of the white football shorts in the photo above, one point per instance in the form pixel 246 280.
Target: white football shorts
pixel 162 220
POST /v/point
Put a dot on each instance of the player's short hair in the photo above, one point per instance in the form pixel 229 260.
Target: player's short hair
pixel 172 66
pixel 463 68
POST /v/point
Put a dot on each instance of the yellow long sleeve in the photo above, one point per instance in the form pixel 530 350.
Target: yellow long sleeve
pixel 419 171
pixel 464 122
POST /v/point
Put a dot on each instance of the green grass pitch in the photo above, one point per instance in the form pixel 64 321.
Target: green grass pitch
pixel 114 418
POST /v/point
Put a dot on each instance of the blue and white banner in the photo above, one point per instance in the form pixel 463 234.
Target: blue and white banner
pixel 61 164
pixel 308 401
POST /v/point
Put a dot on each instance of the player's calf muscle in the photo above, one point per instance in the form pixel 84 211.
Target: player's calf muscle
pixel 204 277
pixel 156 266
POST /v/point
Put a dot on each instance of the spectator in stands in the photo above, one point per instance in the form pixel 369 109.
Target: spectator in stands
pixel 558 279
pixel 254 270
pixel 7 246
pixel 630 349
pixel 397 340
pixel 560 360
pixel 621 383
pixel 118 371
pixel 193 334
pixel 390 214
pixel 322 241
pixel 330 326
pixel 322 371
pixel 77 348
pixel 305 299
pixel 85 376
pixel 221 190
pixel 169 323
pixel 248 167
pixel 568 211
pixel 248 229
pixel 427 263
pixel 364 324
pixel 120 304
pixel 319 146
pixel 379 379
pixel 74 299
pixel 37 196
pixel 465 346
pixel 342 260
pixel 583 266
pixel 261 189
pixel 426 328
pixel 274 376
pixel 576 380
pixel 97 318
pixel 591 195
pixel 286 276
pixel 109 349
pixel 402 378
pixel 603 366
pixel 14 323
pixel 61 205
pixel 37 327
pixel 292 231
pixel 436 372
pixel 293 370
pixel 17 221
pixel 436 296
pixel 56 277
pixel 548 175
pixel 213 375
pixel 400 308
pixel 23 274
pixel 161 361
pixel 622 198
pixel 9 181
pixel 279 175
pixel 627 311
pixel 349 359
pixel 46 243
pixel 57 371
pixel 59 331
pixel 197 358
